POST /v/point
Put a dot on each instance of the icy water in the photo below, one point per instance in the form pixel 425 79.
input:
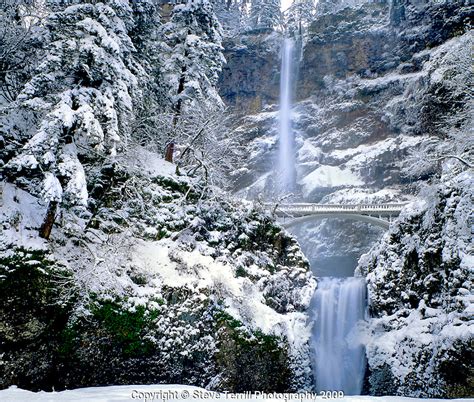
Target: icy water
pixel 286 152
pixel 338 305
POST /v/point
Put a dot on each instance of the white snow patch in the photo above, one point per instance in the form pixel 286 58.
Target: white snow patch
pixel 21 215
pixel 126 393
pixel 309 152
pixel 52 188
pixel 192 269
pixel 329 176
pixel 149 162
pixel 365 196
pixel 363 154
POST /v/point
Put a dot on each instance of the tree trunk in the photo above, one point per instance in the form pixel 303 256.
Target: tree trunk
pixel 169 152
pixel 177 113
pixel 47 226
pixel 179 103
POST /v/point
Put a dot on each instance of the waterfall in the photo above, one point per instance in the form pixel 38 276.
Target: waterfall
pixel 286 169
pixel 339 303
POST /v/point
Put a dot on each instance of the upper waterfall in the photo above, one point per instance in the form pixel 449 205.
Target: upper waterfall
pixel 286 168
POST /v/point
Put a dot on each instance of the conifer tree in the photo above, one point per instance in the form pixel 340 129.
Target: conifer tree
pixel 265 14
pixel 83 92
pixel 232 14
pixel 299 15
pixel 191 59
pixel 20 40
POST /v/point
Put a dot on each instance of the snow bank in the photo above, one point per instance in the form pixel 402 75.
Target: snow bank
pixel 126 393
pixel 328 176
pixel 21 215
pixel 144 161
pixel 246 302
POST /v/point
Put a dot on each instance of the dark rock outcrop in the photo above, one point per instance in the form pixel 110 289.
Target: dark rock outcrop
pixel 250 79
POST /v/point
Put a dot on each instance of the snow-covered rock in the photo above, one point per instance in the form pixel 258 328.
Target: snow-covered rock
pixel 421 296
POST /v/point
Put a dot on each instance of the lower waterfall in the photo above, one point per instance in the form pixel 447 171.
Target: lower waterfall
pixel 338 305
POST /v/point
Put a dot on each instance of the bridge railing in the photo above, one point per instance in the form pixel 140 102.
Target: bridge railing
pixel 308 207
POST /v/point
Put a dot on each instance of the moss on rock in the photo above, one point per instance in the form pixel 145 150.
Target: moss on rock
pixel 251 360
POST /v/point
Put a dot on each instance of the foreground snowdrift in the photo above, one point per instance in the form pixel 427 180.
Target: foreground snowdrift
pixel 172 393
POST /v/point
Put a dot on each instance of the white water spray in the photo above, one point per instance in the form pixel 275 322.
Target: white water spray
pixel 339 303
pixel 286 157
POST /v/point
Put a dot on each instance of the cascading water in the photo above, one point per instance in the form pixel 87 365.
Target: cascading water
pixel 286 169
pixel 339 304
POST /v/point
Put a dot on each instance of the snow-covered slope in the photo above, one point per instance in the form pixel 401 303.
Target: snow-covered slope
pixel 165 281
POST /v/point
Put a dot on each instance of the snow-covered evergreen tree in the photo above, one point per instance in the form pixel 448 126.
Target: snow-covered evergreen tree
pixel 146 20
pixel 299 15
pixel 265 13
pixel 191 55
pixel 333 6
pixel 233 15
pixel 190 62
pixel 20 40
pixel 83 90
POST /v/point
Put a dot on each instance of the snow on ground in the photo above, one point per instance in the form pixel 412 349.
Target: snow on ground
pixel 389 79
pixel 262 145
pixel 146 161
pixel 20 214
pixel 328 176
pixel 263 116
pixel 367 196
pixel 127 393
pixel 359 156
pixel 245 300
pixel 308 152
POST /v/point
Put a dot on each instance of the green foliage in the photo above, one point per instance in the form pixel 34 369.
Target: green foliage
pixel 246 338
pixel 178 186
pixel 126 327
pixel 36 299
pixel 240 272
pixel 456 369
pixel 249 359
pixel 67 341
pixel 382 381
pixel 32 283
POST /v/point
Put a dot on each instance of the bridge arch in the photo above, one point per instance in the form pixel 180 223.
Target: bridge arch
pixel 357 217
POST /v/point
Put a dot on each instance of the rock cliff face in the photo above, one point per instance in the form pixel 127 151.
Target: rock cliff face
pixel 250 79
pixel 376 38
